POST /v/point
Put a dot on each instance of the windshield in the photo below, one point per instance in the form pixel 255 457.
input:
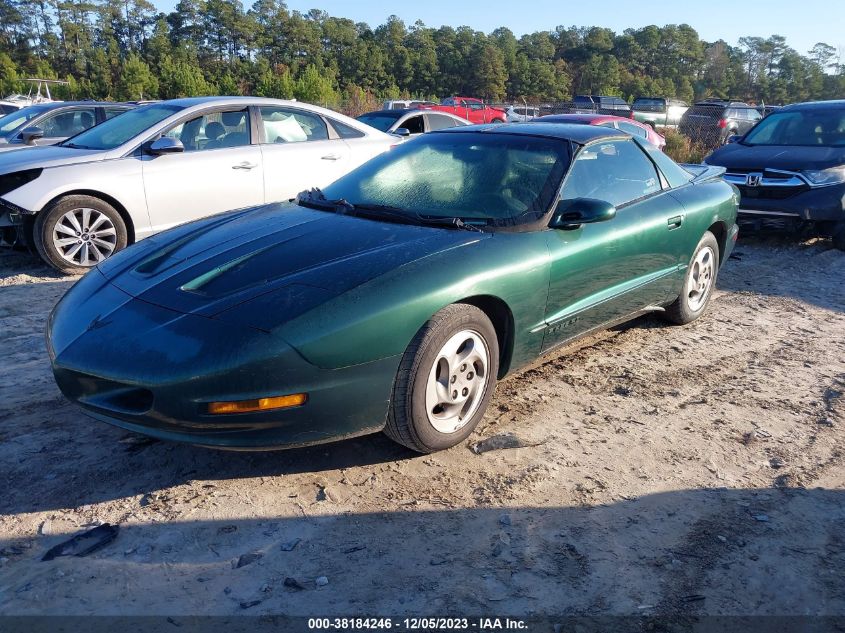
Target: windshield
pixel 15 120
pixel 800 127
pixel 119 130
pixel 482 179
pixel 380 120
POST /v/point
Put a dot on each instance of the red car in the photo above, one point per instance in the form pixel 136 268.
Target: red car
pixel 634 128
pixel 473 110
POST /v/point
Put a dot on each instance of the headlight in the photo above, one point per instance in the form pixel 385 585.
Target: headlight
pixel 10 182
pixel 823 177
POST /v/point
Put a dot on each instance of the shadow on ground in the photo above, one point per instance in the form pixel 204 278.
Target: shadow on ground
pixel 709 551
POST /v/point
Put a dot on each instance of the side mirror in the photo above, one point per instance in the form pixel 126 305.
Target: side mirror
pixel 402 131
pixel 31 134
pixel 165 145
pixel 733 138
pixel 570 214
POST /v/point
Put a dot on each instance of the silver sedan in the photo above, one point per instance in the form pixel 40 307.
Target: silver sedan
pixel 167 163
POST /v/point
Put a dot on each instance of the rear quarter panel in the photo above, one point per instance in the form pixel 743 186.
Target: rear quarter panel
pixel 708 202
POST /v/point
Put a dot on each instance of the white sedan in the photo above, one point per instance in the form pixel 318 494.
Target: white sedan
pixel 171 162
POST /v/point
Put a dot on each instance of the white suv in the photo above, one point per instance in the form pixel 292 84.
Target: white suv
pixel 518 114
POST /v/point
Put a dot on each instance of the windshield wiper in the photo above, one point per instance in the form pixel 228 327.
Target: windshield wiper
pixel 75 146
pixel 315 199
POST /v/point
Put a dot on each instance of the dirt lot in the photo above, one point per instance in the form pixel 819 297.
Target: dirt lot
pixel 665 470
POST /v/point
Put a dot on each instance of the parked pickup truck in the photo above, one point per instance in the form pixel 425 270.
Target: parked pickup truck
pixel 657 111
pixel 473 110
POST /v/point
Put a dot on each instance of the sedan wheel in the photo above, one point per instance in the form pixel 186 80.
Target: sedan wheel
pixel 445 380
pixel 84 237
pixel 78 232
pixel 699 282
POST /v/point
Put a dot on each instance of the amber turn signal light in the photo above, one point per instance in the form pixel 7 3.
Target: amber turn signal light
pixel 260 404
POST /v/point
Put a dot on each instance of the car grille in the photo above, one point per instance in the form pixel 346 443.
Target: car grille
pixel 770 184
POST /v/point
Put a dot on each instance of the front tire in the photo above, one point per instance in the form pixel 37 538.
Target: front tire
pixel 76 233
pixel 699 282
pixel 445 380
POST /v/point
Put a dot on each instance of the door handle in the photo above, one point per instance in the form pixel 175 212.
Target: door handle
pixel 245 165
pixel 675 222
pixel 332 157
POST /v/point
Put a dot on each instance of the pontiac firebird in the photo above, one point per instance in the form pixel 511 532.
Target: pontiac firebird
pixel 395 298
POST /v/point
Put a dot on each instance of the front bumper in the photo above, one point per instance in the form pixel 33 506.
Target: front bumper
pixel 11 214
pixel 818 204
pixel 153 371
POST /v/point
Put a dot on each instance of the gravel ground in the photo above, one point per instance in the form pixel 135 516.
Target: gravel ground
pixel 661 470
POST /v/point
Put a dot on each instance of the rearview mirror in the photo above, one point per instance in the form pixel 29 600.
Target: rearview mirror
pixel 166 145
pixel 733 138
pixel 402 131
pixel 570 214
pixel 31 134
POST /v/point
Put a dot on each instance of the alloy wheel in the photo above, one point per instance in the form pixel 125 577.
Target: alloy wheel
pixel 84 237
pixel 700 279
pixel 457 381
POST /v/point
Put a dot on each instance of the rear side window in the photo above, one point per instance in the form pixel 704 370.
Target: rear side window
pixel 675 174
pixel 439 122
pixel 345 131
pixel 649 105
pixel 616 171
pixel 706 110
pixel 285 125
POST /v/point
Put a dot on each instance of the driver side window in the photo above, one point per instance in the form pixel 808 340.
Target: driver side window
pixel 616 171
pixel 213 130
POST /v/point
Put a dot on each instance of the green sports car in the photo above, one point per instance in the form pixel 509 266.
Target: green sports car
pixel 395 298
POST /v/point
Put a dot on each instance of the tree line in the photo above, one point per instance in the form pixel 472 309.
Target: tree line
pixel 126 49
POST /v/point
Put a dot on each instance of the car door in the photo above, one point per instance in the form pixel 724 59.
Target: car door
pixel 300 151
pixel 604 271
pixel 219 170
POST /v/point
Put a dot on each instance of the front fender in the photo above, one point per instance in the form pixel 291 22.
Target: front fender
pixel 379 318
pixel 119 179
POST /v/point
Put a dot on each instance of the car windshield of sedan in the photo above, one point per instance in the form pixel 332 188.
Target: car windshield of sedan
pixel 123 128
pixel 479 179
pixel 10 123
pixel 380 120
pixel 824 128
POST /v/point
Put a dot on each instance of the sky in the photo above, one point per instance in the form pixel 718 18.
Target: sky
pixel 802 22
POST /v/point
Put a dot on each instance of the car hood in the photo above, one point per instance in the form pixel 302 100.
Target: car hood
pixel 791 158
pixel 44 157
pixel 302 257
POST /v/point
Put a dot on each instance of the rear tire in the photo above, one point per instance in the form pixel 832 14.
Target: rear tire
pixel 75 233
pixel 445 380
pixel 699 282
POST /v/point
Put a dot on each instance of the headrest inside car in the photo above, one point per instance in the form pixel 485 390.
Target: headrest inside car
pixel 232 119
